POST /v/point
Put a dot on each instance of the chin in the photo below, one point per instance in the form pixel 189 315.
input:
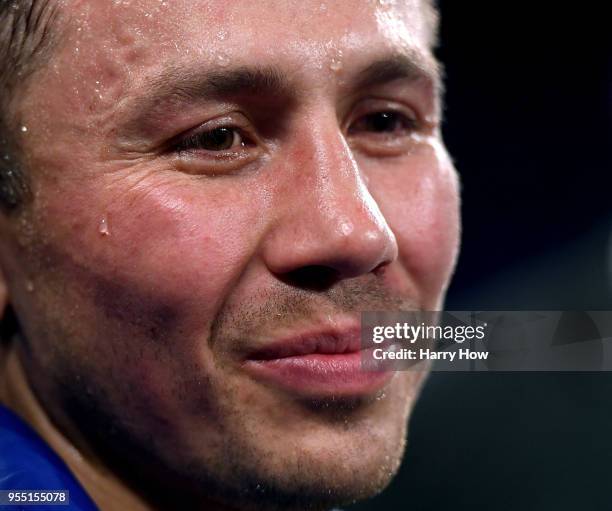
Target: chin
pixel 322 480
pixel 341 452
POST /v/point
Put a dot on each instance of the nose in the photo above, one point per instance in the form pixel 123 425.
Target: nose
pixel 329 226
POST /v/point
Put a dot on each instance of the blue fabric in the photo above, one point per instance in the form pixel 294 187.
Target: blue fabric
pixel 28 463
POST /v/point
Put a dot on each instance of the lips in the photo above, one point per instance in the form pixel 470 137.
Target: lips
pixel 323 363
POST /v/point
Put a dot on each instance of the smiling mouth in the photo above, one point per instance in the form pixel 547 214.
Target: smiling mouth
pixel 318 364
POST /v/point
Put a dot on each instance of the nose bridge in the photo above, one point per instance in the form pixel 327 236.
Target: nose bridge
pixel 342 198
pixel 332 219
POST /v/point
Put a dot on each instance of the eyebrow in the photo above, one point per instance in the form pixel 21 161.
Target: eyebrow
pixel 219 82
pixel 176 86
pixel 400 66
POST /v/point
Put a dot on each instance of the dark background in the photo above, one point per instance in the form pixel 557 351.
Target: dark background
pixel 529 124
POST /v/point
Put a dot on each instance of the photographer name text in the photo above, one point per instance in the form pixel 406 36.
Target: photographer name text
pixel 428 354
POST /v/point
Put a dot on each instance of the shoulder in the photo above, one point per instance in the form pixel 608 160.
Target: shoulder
pixel 28 463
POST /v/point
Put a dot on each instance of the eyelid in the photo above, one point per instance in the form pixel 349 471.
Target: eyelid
pixel 236 121
pixel 385 144
pixel 371 105
pixel 192 159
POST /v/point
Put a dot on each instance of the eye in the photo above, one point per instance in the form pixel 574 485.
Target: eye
pixel 224 145
pixel 380 128
pixel 385 123
pixel 213 140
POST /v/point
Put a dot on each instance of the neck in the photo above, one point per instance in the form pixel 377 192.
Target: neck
pixel 107 491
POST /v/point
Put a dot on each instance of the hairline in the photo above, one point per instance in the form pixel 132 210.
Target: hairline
pixel 27 35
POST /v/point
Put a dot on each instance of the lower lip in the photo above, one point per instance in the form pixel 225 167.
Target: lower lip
pixel 321 375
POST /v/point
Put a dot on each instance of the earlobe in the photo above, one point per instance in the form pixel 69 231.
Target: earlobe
pixel 5 310
pixel 3 294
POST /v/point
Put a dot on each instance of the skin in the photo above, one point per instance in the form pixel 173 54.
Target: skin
pixel 142 275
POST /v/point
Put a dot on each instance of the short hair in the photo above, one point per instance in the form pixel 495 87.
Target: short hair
pixel 25 36
pixel 432 19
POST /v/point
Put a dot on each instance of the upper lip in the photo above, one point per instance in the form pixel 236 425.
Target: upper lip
pixel 331 341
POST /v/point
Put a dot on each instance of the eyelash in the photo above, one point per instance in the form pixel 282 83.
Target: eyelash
pixel 381 132
pixel 408 123
pixel 200 139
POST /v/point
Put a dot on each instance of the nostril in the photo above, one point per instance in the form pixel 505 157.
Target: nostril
pixel 314 277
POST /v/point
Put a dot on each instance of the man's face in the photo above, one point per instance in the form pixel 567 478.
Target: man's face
pixel 213 178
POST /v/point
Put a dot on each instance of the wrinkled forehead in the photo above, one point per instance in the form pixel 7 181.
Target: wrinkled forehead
pixel 148 33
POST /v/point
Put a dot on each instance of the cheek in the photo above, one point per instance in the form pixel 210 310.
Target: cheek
pixel 173 245
pixel 421 205
pixel 135 303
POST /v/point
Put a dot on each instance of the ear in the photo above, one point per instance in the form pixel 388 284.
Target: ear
pixel 5 236
pixel 7 241
pixel 3 310
pixel 3 294
pixel 4 286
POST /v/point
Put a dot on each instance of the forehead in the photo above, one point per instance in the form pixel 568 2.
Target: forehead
pixel 112 51
pixel 154 33
pixel 291 19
